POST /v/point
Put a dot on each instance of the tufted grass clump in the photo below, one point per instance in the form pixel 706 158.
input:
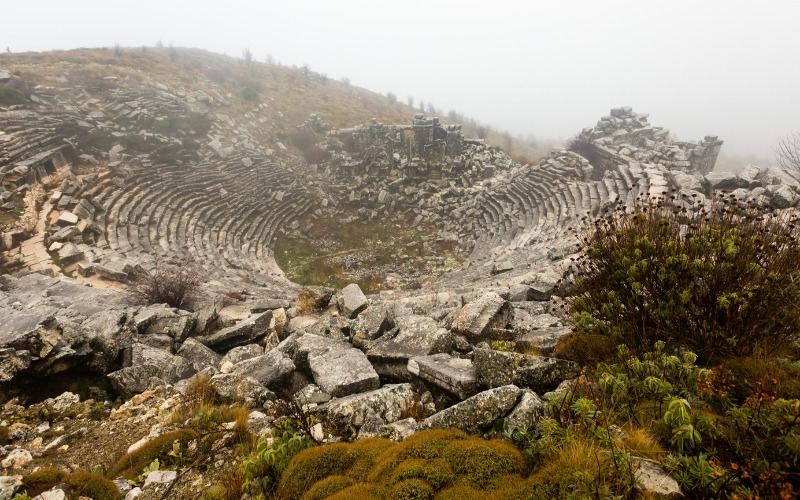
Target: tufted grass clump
pixel 327 487
pixel 159 448
pixel 86 484
pixel 42 480
pixel 722 280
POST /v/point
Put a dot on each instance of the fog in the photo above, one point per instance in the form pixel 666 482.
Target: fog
pixel 544 68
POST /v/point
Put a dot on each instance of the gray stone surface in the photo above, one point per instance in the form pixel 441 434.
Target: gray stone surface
pixel 148 363
pixel 373 322
pixel 476 413
pixel 527 412
pixel 271 369
pixel 198 354
pixel 482 318
pixel 455 375
pixel 247 331
pixel 341 372
pixel 653 480
pixel 236 387
pixel 389 402
pixel 351 301
pixel 313 298
pixel 496 368
pixel 9 485
pixel 415 336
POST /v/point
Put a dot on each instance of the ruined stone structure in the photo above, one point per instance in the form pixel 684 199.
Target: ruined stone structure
pixel 422 150
pixel 625 136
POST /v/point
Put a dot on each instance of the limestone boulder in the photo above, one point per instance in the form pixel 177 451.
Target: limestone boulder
pixel 373 322
pixel 454 375
pixel 272 369
pixel 248 331
pixel 654 480
pixel 313 298
pixel 237 387
pixel 483 318
pixel 351 301
pixel 527 412
pixel 476 413
pixel 783 196
pixel 541 374
pixel 412 336
pixel 199 355
pixel 341 372
pixel 390 403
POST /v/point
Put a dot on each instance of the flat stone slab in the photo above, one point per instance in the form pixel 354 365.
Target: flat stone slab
pixel 351 301
pixel 389 403
pixel 416 336
pixel 454 375
pixel 271 369
pixel 341 372
pixel 476 413
pixel 246 332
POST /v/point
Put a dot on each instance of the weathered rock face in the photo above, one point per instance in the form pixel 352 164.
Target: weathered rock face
pixel 198 354
pixel 415 336
pixel 272 369
pixel 455 375
pixel 477 412
pixel 390 402
pixel 527 412
pixel 341 372
pixel 148 363
pixel 496 368
pixel 373 322
pixel 485 318
pixel 246 332
pixel 351 301
pixel 313 298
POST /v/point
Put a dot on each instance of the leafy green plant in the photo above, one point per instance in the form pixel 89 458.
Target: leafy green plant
pixel 262 472
pixel 721 281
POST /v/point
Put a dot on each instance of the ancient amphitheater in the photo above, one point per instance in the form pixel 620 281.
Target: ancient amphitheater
pixel 103 176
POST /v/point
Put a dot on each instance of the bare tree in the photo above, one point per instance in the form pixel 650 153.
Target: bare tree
pixel 410 101
pixel 173 53
pixel 482 131
pixel 421 106
pixel 117 50
pixel 270 60
pixel 247 55
pixel 787 153
pixel 508 141
pixel 431 109
pixel 392 97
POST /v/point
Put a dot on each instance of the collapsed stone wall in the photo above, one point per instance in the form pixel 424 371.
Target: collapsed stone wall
pixel 625 136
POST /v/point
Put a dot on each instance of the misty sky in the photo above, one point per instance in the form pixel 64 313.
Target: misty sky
pixel 544 68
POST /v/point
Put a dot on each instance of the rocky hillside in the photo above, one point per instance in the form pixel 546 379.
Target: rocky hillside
pixel 118 166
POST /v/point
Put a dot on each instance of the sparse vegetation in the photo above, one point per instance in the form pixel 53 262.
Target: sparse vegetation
pixel 722 281
pixel 10 96
pixel 166 284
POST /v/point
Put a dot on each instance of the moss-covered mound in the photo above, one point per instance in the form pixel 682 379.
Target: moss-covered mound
pixel 429 464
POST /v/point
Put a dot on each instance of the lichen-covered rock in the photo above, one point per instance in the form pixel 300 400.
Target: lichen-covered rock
pixel 455 375
pixel 341 372
pixel 17 459
pixel 497 368
pixel 527 412
pixel 351 301
pixel 235 387
pixel 238 354
pixel 148 363
pixel 390 402
pixel 415 336
pixel 13 362
pixel 313 298
pixel 373 322
pixel 477 412
pixel 482 318
pixel 652 479
pixel 9 485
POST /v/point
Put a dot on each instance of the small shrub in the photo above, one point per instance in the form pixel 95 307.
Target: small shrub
pixel 586 349
pixel 478 463
pixel 166 284
pixel 249 94
pixel 10 96
pixel 438 472
pixel 362 491
pixel 158 448
pixel 327 487
pixel 85 484
pixel 721 281
pixel 200 391
pixel 312 465
pixel 748 373
pixel 412 489
pixel 42 480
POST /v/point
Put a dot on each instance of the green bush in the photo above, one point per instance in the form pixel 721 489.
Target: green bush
pixel 721 281
pixel 250 94
pixel 10 96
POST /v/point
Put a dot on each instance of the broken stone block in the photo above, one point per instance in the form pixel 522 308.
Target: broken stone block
pixel 483 318
pixel 497 368
pixel 246 332
pixel 415 336
pixel 390 402
pixel 341 372
pixel 313 298
pixel 198 354
pixel 476 413
pixel 271 369
pixel 351 301
pixel 527 412
pixel 373 322
pixel 66 219
pixel 455 375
